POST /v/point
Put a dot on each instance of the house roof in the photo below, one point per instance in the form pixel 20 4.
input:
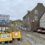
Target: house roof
pixel 40 8
pixel 28 12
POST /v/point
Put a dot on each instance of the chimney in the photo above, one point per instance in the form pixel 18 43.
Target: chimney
pixel 28 12
pixel 40 4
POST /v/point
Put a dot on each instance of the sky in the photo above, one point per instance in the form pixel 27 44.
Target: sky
pixel 17 8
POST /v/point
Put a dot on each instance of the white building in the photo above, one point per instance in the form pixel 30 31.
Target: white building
pixel 42 21
pixel 4 22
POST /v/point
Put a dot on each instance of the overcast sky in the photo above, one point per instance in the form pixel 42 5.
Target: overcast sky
pixel 17 8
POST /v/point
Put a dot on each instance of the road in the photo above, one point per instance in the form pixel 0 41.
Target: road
pixel 29 38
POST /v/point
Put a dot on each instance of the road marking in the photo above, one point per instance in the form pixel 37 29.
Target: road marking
pixel 27 34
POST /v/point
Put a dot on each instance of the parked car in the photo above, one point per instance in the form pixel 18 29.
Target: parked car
pixel 41 30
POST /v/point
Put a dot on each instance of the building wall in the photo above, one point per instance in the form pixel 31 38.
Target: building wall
pixel 34 17
pixel 4 22
pixel 4 17
pixel 42 21
pixel 2 29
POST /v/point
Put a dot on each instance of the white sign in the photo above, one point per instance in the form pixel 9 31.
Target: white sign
pixel 5 35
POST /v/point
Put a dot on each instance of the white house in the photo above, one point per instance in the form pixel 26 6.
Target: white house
pixel 42 21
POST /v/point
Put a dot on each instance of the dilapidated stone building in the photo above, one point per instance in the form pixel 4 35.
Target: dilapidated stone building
pixel 32 18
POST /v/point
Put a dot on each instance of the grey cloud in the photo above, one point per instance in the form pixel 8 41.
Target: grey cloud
pixel 17 8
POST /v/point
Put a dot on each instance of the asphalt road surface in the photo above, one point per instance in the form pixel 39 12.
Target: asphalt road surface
pixel 29 38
